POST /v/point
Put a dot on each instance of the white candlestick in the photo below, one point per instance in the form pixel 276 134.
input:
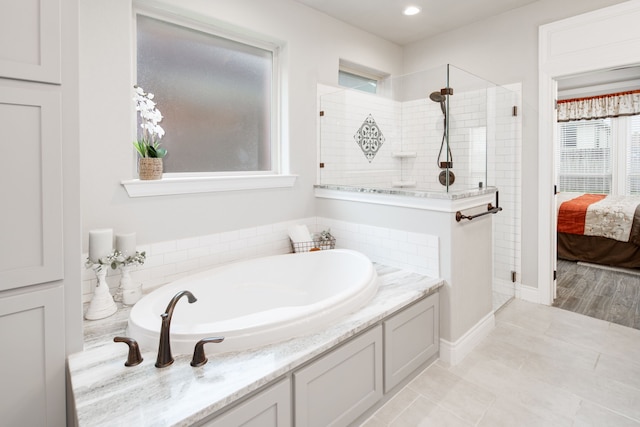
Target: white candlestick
pixel 100 243
pixel 126 244
pixel 101 304
pixel 130 292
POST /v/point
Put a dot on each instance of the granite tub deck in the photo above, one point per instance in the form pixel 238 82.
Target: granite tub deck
pixel 410 192
pixel 107 393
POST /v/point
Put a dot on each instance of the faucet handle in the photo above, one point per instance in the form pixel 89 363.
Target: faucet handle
pixel 134 357
pixel 199 358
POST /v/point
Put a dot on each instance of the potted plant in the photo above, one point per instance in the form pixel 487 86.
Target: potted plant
pixel 148 144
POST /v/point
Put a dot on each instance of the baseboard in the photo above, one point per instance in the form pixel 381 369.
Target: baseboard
pixel 528 293
pixel 452 353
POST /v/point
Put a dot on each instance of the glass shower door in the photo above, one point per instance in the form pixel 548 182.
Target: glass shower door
pixel 504 166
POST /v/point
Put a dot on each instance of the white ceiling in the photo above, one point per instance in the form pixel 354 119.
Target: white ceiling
pixel 385 19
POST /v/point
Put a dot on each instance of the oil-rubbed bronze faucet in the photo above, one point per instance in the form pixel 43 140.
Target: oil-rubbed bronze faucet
pixel 164 349
pixel 134 357
pixel 199 358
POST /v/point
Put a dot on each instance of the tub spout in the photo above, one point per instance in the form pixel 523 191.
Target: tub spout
pixel 164 349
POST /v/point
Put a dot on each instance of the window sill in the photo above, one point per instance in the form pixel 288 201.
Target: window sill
pixel 205 184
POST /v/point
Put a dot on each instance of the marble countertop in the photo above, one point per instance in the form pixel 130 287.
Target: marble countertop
pixel 428 194
pixel 108 393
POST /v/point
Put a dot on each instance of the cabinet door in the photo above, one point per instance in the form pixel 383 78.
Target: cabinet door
pixel 30 40
pixel 411 338
pixel 339 387
pixel 32 368
pixel 269 408
pixel 31 246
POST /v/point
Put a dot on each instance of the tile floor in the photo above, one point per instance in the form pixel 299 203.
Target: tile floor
pixel 541 366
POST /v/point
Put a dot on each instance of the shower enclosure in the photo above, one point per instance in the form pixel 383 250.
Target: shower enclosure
pixel 436 133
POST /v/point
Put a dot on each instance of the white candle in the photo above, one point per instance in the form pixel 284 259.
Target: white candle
pixel 126 244
pixel 100 243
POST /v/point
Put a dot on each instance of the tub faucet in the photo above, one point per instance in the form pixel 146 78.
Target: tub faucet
pixel 164 349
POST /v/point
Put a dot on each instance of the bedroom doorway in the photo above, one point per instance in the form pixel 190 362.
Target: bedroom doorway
pixel 597 164
pixel 594 41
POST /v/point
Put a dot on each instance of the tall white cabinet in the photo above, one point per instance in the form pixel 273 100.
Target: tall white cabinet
pixel 36 142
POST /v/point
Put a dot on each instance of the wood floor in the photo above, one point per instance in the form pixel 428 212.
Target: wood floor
pixel 604 294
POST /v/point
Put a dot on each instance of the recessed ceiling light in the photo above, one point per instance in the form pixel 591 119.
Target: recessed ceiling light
pixel 411 10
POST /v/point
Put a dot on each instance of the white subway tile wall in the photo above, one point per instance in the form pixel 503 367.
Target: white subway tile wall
pixel 410 126
pixel 344 162
pixel 172 260
pixel 411 251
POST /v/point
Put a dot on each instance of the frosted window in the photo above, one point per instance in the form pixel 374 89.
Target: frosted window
pixel 215 95
pixel 355 81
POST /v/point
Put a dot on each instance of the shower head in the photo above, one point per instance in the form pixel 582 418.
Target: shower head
pixel 438 97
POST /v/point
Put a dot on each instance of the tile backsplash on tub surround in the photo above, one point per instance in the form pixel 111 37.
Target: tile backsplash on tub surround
pixel 173 259
pixel 417 252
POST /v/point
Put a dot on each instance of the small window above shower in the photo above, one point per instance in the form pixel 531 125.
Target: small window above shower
pixel 358 77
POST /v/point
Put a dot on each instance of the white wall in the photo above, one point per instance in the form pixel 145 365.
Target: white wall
pixel 313 44
pixel 504 50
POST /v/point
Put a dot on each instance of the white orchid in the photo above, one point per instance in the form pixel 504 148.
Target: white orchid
pixel 149 144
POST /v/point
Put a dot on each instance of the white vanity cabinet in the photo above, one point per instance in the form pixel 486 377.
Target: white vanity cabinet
pixel 349 381
pixel 411 338
pixel 269 408
pixel 340 386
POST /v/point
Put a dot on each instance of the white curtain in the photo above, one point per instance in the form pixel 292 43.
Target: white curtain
pixel 600 107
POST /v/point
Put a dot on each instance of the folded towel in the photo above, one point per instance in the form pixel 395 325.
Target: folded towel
pixel 299 233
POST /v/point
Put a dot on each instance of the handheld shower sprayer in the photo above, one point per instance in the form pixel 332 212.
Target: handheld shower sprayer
pixel 446 177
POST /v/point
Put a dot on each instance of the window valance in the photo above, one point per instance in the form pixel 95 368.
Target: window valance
pixel 600 107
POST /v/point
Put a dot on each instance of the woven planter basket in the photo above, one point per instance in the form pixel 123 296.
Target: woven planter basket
pixel 150 168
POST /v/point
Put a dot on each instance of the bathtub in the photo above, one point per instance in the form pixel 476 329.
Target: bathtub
pixel 257 302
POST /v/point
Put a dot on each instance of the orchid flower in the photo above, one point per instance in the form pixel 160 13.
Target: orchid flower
pixel 148 145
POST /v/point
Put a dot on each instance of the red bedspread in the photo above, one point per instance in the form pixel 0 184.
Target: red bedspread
pixel 572 216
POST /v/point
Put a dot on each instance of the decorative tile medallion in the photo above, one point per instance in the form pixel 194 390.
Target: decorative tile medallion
pixel 369 138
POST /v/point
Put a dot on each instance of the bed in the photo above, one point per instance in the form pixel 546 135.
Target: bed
pixel 600 229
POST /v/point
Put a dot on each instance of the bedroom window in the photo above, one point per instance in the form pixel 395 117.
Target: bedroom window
pixel 598 144
pixel 584 157
pixel 633 157
pixel 217 93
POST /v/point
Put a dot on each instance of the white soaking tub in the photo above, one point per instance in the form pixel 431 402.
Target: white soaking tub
pixel 258 301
